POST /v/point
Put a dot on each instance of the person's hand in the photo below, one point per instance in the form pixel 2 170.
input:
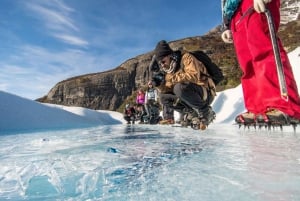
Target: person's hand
pixel 227 36
pixel 168 84
pixel 259 5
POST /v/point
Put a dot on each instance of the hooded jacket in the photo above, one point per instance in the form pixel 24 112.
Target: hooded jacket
pixel 191 71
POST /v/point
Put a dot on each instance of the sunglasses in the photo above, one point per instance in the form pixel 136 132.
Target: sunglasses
pixel 163 61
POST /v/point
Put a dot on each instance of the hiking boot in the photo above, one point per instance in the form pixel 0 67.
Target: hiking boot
pixel 198 123
pixel 277 117
pixel 293 120
pixel 185 119
pixel 185 123
pixel 190 115
pixel 246 118
pixel 207 115
pixel 195 123
pixel 210 116
pixel 167 121
pixel 203 119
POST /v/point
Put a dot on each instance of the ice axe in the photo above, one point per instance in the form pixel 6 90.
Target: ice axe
pixel 278 61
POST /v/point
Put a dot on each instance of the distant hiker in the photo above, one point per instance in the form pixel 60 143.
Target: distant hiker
pixel 140 101
pixel 186 84
pixel 129 114
pixel 151 97
pixel 246 25
pixel 152 106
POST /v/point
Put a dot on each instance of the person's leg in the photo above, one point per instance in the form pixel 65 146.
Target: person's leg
pixel 127 118
pixel 167 101
pixel 243 53
pixel 197 99
pixel 147 109
pixel 192 95
pixel 255 52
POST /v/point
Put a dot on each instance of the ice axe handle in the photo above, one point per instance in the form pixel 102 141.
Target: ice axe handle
pixel 278 61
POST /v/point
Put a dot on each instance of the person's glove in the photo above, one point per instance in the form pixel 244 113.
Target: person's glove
pixel 227 36
pixel 169 84
pixel 259 5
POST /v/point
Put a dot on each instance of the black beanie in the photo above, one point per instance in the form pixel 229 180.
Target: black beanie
pixel 162 49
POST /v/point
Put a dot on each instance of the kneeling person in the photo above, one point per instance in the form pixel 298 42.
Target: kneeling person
pixel 187 87
pixel 129 114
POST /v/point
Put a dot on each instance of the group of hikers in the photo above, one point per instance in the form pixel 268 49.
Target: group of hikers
pixel 181 83
pixel 146 107
pixel 184 84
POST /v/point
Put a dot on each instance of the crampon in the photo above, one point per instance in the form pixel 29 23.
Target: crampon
pixel 267 121
pixel 192 120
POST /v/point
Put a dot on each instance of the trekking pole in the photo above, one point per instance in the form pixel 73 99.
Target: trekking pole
pixel 278 61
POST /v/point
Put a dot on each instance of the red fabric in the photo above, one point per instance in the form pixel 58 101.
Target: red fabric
pixel 255 55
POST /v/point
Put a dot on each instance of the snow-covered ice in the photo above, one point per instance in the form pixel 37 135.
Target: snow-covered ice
pixel 51 152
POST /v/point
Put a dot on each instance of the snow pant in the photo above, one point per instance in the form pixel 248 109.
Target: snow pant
pixel 141 112
pixel 190 94
pixel 129 118
pixel 150 103
pixel 256 58
pixel 167 100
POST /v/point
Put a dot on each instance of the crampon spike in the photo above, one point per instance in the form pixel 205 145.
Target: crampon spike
pixel 269 127
pixel 294 127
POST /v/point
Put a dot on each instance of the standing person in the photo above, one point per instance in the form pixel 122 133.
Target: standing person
pixel 140 101
pixel 247 27
pixel 129 114
pixel 186 82
pixel 151 98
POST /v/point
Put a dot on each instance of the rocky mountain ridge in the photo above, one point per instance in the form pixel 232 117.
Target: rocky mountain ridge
pixel 108 90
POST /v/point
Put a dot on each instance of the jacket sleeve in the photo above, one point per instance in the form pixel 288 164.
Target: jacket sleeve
pixel 190 72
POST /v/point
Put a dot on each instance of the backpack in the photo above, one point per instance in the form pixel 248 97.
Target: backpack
pixel 215 73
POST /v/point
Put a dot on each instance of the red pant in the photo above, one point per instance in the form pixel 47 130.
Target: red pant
pixel 255 55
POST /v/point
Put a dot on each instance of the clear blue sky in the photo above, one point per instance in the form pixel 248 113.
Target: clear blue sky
pixel 46 41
